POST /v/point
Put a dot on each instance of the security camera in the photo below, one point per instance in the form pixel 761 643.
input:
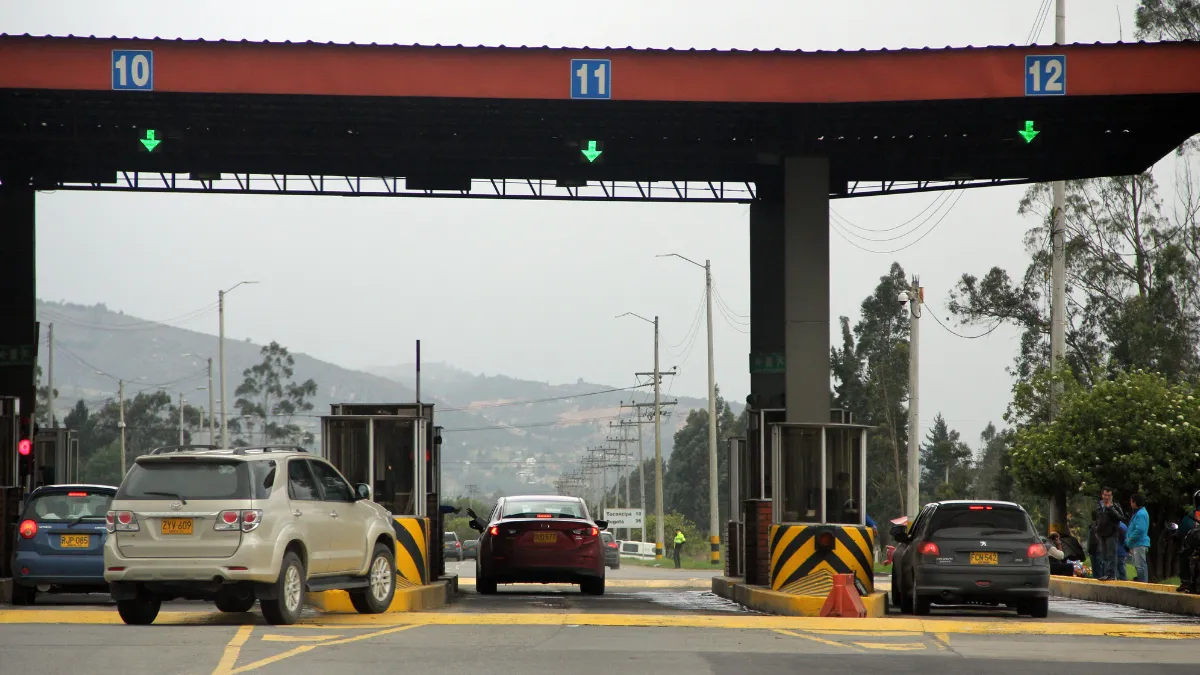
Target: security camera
pixel 902 298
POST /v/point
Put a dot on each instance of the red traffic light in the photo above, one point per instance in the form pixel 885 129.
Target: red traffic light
pixel 24 447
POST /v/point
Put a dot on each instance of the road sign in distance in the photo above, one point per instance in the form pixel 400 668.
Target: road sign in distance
pixel 623 517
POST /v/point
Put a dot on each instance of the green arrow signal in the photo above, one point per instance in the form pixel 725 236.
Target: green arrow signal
pixel 591 152
pixel 149 141
pixel 1028 132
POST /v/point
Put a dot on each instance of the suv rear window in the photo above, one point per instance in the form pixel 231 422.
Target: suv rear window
pixel 972 520
pixel 449 537
pixel 67 506
pixel 188 478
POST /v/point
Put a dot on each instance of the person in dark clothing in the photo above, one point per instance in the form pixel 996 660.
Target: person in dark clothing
pixel 1107 517
pixel 1186 536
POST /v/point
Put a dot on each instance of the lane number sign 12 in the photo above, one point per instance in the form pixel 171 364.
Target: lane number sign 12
pixel 1045 75
pixel 132 70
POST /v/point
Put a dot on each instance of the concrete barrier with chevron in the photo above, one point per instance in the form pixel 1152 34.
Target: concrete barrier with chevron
pixel 801 567
pixel 412 550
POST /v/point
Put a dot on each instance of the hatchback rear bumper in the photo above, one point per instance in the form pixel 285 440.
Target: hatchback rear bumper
pixel 30 568
pixel 962 584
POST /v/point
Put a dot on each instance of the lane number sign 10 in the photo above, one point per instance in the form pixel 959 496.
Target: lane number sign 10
pixel 591 78
pixel 133 70
pixel 1045 75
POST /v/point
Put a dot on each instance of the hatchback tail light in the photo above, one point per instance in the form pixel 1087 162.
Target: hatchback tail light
pixel 929 548
pixel 1037 551
pixel 246 520
pixel 121 521
pixel 28 528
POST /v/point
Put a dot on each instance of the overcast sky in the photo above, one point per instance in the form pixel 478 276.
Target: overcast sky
pixel 524 288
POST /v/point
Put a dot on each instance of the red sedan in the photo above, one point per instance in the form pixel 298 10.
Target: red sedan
pixel 540 539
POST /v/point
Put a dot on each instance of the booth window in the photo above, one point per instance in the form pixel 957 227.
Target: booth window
pixel 349 448
pixel 843 469
pixel 800 484
pixel 394 465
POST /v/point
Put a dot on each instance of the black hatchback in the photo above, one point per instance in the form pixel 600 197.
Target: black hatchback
pixel 970 552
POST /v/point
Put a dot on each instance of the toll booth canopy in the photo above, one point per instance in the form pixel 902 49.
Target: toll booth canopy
pixel 390 447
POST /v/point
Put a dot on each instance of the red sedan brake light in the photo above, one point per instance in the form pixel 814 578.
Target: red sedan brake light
pixel 929 548
pixel 544 515
pixel 494 531
pixel 980 508
pixel 77 494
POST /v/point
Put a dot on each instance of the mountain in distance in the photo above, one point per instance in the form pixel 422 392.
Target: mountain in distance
pixel 500 433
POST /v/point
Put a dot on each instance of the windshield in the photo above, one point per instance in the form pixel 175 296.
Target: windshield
pixel 67 506
pixel 534 509
pixel 190 479
pixel 980 520
pixel 449 537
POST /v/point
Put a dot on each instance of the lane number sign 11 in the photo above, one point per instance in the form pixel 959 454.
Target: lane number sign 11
pixel 591 78
pixel 132 70
pixel 1045 75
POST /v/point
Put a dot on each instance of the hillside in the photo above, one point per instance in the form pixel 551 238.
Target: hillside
pixel 501 432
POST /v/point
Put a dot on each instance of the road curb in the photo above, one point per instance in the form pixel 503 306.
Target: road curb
pixel 408 599
pixel 680 584
pixel 763 599
pixel 1154 597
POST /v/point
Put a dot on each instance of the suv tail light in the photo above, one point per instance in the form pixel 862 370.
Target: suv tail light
pixel 246 520
pixel 458 544
pixel 121 521
pixel 28 528
pixel 1037 551
pixel 929 548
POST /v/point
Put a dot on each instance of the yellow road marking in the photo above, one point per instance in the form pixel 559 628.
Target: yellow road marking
pixel 229 656
pixel 296 651
pixel 942 640
pixel 893 646
pixel 271 637
pixel 814 638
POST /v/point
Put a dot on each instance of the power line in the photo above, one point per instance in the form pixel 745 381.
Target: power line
pixel 944 197
pixel 1039 22
pixel 906 246
pixel 540 400
pixel 846 221
pixel 135 325
pixel 965 337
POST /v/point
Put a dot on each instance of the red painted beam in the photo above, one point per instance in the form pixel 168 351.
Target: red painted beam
pixel 518 73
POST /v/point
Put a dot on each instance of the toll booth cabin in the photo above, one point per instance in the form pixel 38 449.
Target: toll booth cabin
pixel 797 503
pixel 396 449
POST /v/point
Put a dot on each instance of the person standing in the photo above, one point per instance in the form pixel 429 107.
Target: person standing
pixel 679 541
pixel 1107 517
pixel 1137 536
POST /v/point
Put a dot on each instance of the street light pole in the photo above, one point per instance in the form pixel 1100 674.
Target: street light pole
pixel 714 525
pixel 211 435
pixel 221 356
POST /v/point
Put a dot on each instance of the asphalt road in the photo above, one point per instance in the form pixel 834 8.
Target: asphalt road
pixel 648 621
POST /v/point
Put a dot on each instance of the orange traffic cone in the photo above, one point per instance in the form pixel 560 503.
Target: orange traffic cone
pixel 843 599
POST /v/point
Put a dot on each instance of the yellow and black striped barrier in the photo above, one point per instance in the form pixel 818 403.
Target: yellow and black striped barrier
pixel 799 552
pixel 412 549
pixel 714 543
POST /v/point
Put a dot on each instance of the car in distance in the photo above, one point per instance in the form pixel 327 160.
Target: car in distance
pixel 960 551
pixel 470 548
pixel 236 526
pixel 451 547
pixel 612 554
pixel 60 541
pixel 539 539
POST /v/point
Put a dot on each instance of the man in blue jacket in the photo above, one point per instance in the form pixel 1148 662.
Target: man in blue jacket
pixel 1137 536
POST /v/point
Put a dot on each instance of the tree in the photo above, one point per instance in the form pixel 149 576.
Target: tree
pixel 1134 432
pixel 696 544
pixel 685 477
pixel 870 371
pixel 1175 20
pixel 945 464
pixel 151 420
pixel 42 407
pixel 268 394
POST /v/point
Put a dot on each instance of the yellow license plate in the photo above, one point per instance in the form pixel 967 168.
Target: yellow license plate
pixel 545 537
pixel 985 558
pixel 74 540
pixel 176 525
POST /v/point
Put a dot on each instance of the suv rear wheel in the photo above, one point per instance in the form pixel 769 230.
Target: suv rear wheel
pixel 284 608
pixel 141 610
pixel 376 598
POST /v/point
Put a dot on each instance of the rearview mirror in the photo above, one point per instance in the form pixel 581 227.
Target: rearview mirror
pixel 602 524
pixel 899 533
pixel 363 490
pixel 475 526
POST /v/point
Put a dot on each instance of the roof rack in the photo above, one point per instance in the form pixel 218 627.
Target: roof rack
pixel 247 449
pixel 162 450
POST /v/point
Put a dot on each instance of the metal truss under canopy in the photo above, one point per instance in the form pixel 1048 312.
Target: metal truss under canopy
pixel 498 188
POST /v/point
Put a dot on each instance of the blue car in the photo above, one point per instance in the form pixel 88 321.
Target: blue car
pixel 60 541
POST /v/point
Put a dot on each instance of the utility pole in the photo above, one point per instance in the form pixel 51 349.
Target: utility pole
pixel 212 436
pixel 637 413
pixel 1058 283
pixel 50 378
pixel 658 487
pixel 121 423
pixel 221 358
pixel 714 527
pixel 181 418
pixel 914 298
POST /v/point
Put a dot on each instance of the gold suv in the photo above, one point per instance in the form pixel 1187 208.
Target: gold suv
pixel 235 526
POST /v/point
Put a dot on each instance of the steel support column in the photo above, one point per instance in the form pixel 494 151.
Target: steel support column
pixel 18 317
